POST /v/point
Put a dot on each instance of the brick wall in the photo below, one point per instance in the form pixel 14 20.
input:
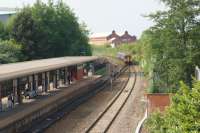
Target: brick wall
pixel 157 102
pixel 80 74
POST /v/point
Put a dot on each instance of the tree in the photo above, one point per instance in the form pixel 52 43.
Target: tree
pixel 10 52
pixel 49 30
pixel 182 116
pixel 3 32
pixel 22 28
pixel 174 44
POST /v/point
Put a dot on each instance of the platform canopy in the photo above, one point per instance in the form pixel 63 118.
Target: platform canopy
pixel 15 70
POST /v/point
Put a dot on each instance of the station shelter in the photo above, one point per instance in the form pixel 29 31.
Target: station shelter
pixel 31 78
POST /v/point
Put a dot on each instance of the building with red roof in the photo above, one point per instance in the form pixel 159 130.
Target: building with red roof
pixel 114 39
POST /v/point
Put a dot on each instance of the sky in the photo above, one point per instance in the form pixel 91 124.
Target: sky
pixel 103 16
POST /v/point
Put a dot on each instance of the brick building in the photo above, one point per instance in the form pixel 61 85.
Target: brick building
pixel 98 39
pixel 126 38
pixel 113 39
pixel 112 35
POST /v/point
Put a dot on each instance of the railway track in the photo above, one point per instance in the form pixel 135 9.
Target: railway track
pixel 105 120
pixel 51 119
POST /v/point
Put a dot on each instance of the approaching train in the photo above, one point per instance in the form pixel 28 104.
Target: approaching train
pixel 127 58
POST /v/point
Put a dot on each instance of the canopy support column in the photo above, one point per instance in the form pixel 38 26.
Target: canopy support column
pixel 0 97
pixel 33 82
pixel 36 81
pixel 58 78
pixel 19 97
pixel 64 71
pixel 47 81
pixel 43 82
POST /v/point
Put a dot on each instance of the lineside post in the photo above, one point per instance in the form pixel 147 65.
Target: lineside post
pixel 110 75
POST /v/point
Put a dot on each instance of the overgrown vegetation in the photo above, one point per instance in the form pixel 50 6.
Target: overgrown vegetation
pixel 45 31
pixel 182 116
pixel 106 50
pixel 10 52
pixel 170 52
pixel 170 49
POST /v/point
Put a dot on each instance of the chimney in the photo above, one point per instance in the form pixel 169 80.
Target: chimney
pixel 113 32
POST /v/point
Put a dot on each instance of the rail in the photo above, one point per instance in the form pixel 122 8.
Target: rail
pixel 65 109
pixel 92 126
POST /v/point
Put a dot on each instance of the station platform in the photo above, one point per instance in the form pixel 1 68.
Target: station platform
pixel 11 117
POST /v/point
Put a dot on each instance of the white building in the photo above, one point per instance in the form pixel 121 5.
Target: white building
pixel 197 73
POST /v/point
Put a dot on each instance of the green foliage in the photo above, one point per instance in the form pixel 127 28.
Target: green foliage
pixel 105 50
pixel 101 71
pixel 10 52
pixel 171 47
pixel 3 32
pixel 182 116
pixel 48 30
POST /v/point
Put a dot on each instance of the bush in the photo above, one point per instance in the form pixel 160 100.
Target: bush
pixel 182 116
pixel 10 52
pixel 3 32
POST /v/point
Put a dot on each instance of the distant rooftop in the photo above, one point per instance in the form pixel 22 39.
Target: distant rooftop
pixel 103 34
pixel 6 10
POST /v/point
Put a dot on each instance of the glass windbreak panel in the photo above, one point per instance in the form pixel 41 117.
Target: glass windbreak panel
pixel 62 73
pixel 7 88
pixel 51 75
pixel 39 79
pixel 80 66
pixel 23 83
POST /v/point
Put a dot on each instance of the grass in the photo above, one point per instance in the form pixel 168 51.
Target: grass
pixel 107 51
pixel 111 53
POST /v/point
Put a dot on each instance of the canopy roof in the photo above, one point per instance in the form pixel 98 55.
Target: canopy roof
pixel 15 70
